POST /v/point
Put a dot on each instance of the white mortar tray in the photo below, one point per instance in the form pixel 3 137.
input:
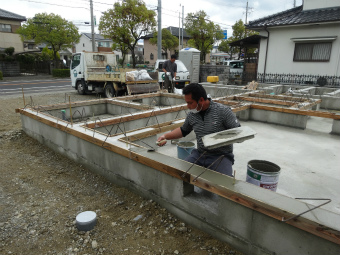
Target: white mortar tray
pixel 230 136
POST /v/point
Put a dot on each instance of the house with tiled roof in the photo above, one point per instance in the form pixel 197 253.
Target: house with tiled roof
pixel 9 23
pixel 303 40
pixel 150 50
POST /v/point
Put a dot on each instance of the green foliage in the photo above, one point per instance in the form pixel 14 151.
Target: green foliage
pixel 224 46
pixel 240 32
pixel 63 73
pixel 126 23
pixel 169 41
pixel 51 29
pixel 47 54
pixel 204 33
pixel 9 51
pixel 1 76
pixel 27 58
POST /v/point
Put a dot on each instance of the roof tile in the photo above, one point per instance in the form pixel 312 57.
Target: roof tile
pixel 297 16
pixel 10 15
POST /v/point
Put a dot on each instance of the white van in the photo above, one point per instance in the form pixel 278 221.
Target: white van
pixel 236 66
pixel 182 75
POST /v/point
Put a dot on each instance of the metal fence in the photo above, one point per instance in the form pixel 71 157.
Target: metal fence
pixel 300 79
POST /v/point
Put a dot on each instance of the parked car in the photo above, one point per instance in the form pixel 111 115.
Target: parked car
pixel 236 66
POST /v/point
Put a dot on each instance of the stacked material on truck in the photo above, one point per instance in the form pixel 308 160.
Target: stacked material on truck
pixel 135 75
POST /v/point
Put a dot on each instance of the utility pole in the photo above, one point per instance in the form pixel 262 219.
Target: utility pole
pixel 182 24
pixel 246 14
pixel 294 3
pixel 159 35
pixel 92 27
pixel 179 31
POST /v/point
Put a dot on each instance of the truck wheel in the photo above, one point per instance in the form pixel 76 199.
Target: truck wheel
pixel 80 88
pixel 109 91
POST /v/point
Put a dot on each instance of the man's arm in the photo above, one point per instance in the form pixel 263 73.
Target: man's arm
pixel 165 66
pixel 174 134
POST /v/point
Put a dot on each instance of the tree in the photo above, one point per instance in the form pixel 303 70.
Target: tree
pixel 204 33
pixel 169 41
pixel 48 54
pixel 51 29
pixel 126 23
pixel 123 48
pixel 240 32
pixel 224 46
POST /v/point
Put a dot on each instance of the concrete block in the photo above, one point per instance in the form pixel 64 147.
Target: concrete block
pixel 336 127
pixel 285 119
pixel 330 103
pixel 243 115
pixel 288 240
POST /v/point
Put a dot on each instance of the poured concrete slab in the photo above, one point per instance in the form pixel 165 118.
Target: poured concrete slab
pixel 226 137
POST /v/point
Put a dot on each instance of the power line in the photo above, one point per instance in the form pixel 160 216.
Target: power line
pixel 76 7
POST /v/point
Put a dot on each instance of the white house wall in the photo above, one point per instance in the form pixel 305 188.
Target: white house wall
pixel 315 4
pixel 281 51
pixel 84 44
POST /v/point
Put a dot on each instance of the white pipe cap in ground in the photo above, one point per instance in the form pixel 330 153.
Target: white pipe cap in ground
pixel 86 221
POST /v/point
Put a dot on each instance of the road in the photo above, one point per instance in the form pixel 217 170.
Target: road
pixel 8 88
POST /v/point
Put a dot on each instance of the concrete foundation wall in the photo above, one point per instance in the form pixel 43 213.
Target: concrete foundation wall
pixel 244 228
pixel 285 119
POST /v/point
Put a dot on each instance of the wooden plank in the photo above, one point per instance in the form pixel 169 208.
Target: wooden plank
pixel 279 97
pixel 298 112
pixel 134 97
pixel 265 101
pixel 310 104
pixel 137 116
pixel 274 212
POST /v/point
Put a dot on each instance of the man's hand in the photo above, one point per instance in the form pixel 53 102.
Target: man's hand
pixel 161 141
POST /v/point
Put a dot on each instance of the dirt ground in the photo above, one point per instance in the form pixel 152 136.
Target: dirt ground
pixel 42 192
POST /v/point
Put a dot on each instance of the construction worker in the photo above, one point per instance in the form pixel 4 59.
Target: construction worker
pixel 170 66
pixel 205 117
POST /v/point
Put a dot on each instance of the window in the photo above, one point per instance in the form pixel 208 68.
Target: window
pixel 312 51
pixel 83 44
pixel 75 61
pixel 151 56
pixel 104 44
pixel 30 46
pixel 99 58
pixel 5 28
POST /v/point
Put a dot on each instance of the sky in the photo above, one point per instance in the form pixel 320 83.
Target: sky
pixel 222 12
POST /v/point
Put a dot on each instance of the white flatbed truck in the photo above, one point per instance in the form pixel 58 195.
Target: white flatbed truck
pixel 98 72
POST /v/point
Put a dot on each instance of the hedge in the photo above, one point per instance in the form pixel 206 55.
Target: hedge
pixel 1 76
pixel 61 73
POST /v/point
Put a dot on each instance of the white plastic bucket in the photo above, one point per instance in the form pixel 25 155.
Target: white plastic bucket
pixel 263 173
pixel 184 149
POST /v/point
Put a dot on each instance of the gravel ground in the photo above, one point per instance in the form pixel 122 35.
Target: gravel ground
pixel 42 192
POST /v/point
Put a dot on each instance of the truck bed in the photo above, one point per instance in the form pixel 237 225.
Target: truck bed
pixel 117 76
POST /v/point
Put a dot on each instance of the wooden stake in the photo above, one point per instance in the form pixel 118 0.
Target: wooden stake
pixel 23 95
pixel 69 100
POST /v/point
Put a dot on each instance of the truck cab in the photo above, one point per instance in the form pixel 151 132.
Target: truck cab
pixel 182 76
